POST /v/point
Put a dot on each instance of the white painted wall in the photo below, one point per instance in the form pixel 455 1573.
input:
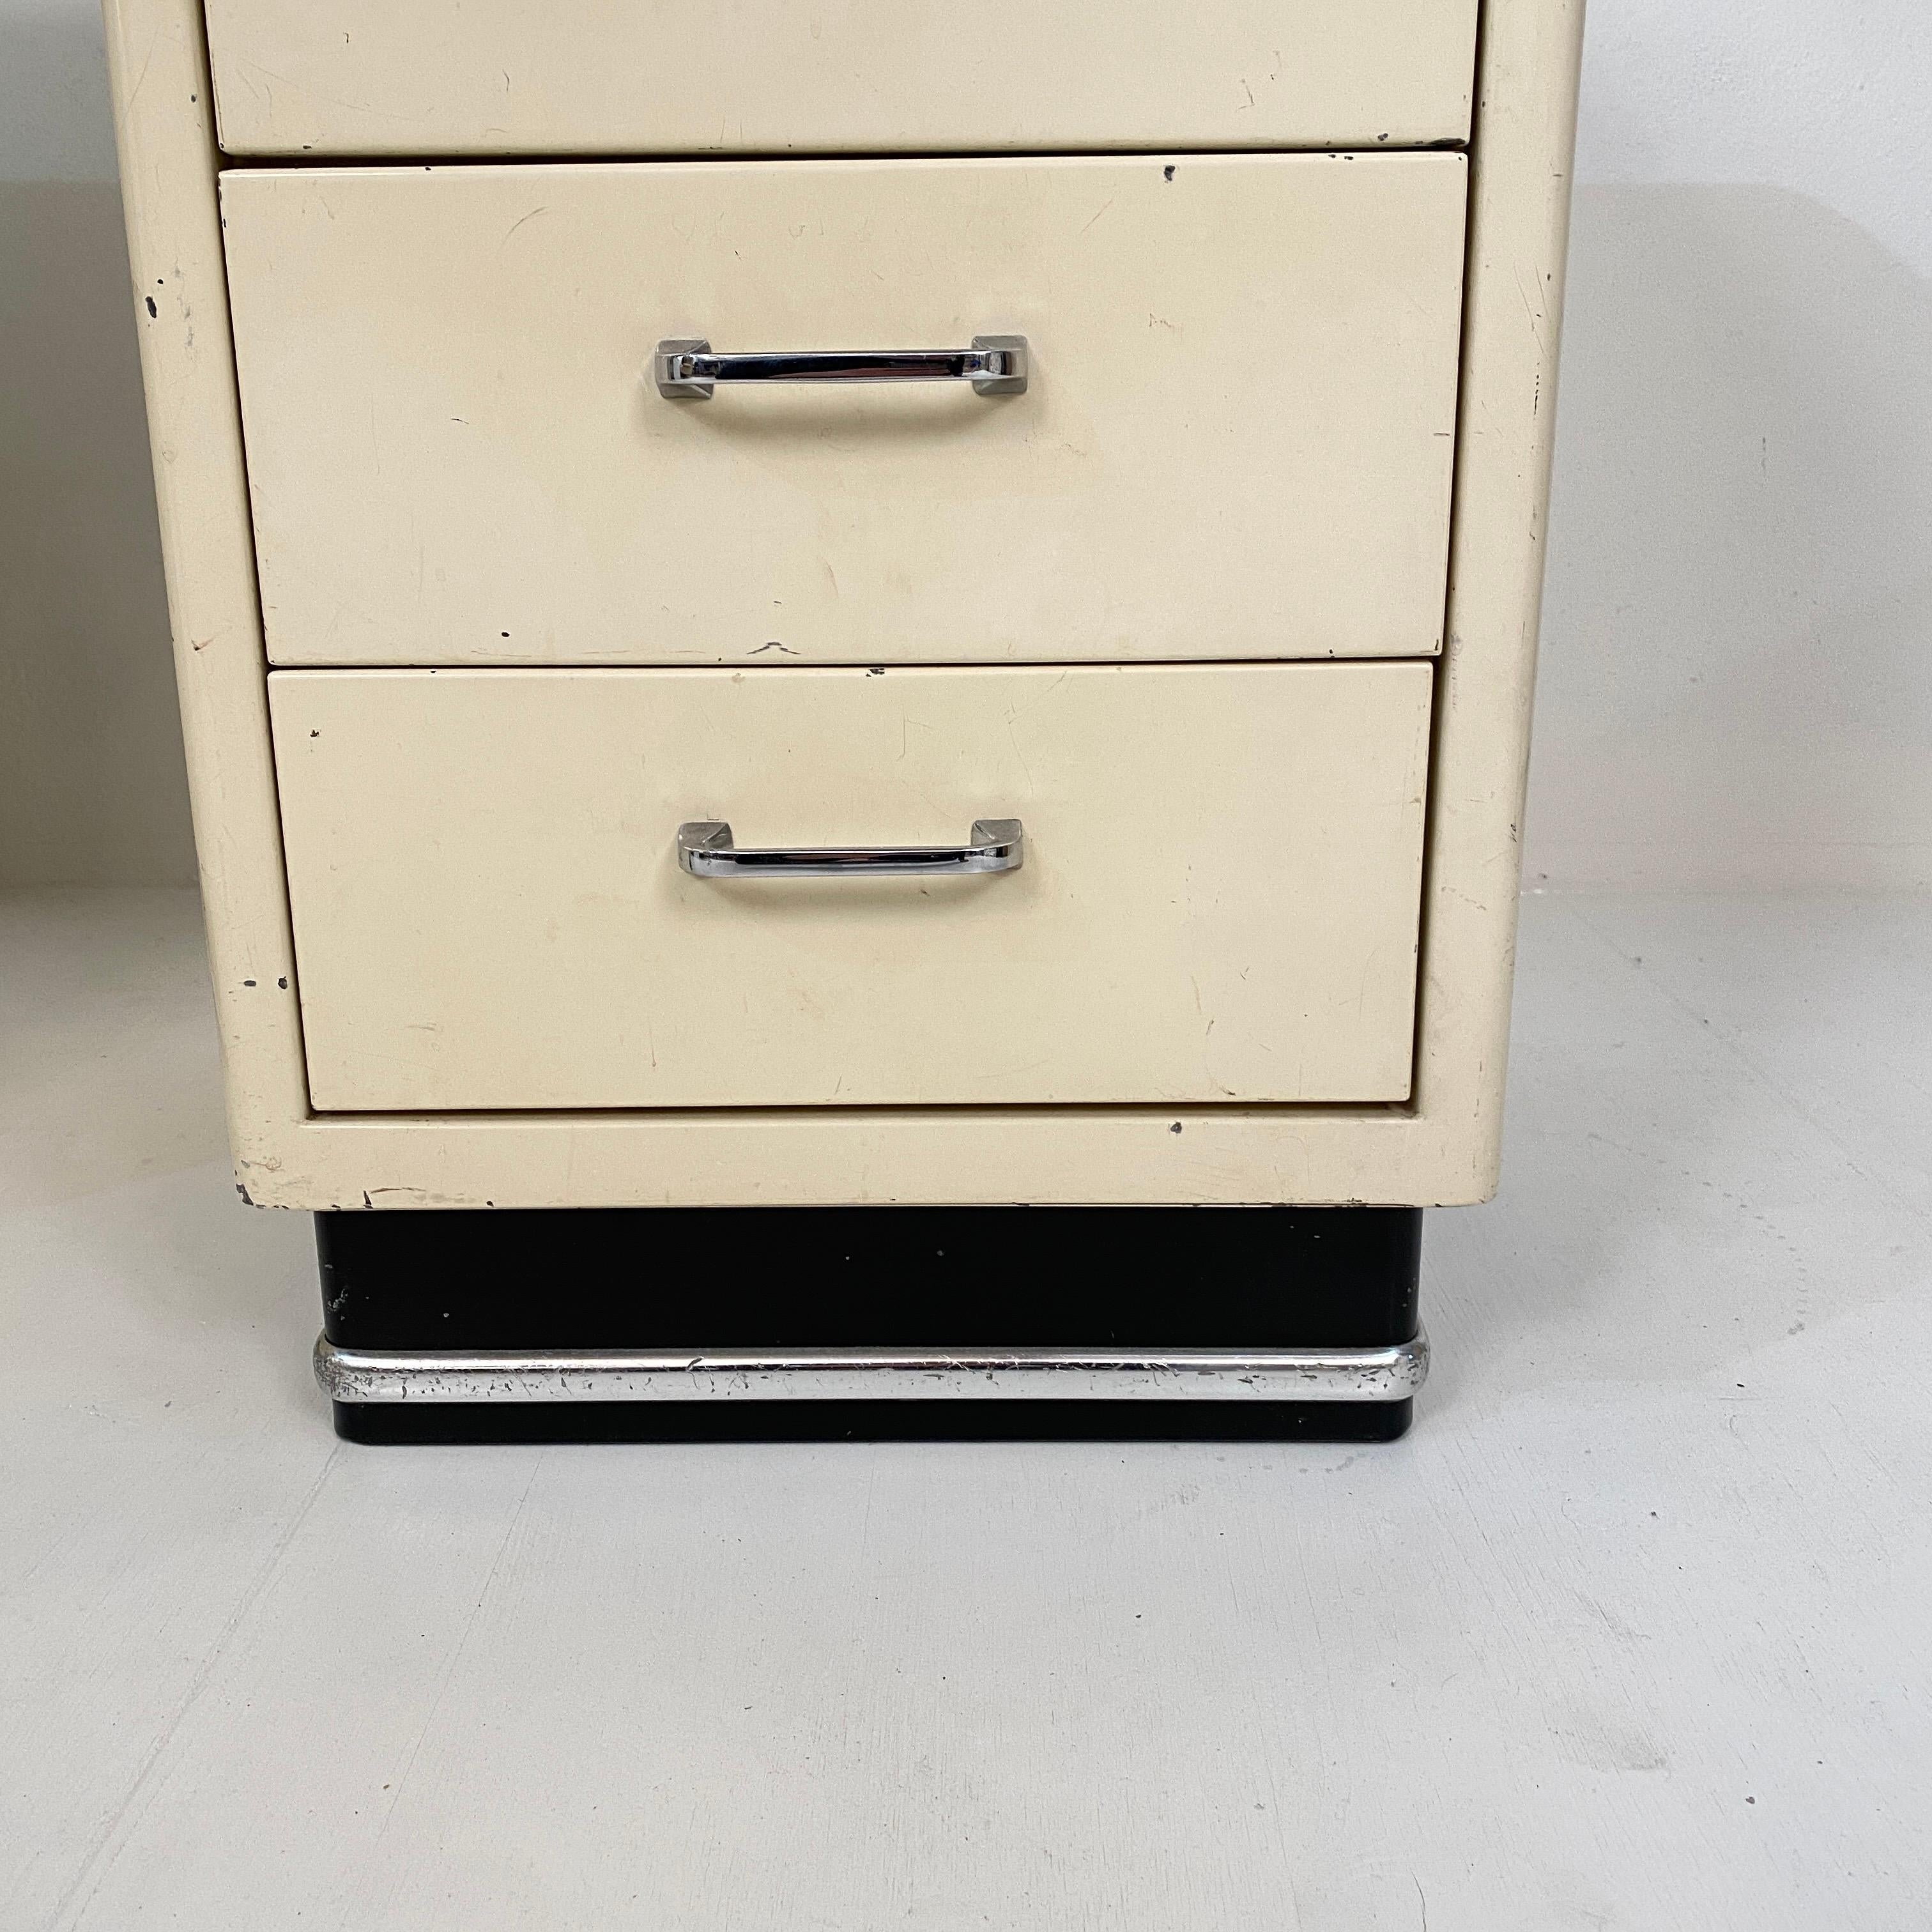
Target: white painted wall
pixel 1737 671
pixel 1737 681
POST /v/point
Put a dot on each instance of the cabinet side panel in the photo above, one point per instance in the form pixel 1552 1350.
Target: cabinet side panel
pixel 158 70
pixel 1519 221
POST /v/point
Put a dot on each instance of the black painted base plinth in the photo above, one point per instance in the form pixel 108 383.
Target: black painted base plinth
pixel 897 1277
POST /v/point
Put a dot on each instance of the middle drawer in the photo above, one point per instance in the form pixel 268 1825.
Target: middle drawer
pixel 1236 439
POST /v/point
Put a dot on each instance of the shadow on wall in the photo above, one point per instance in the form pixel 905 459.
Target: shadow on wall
pixel 1737 672
pixel 92 786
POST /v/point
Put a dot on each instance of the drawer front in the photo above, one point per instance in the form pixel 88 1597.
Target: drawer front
pixel 1218 901
pixel 583 77
pixel 1236 440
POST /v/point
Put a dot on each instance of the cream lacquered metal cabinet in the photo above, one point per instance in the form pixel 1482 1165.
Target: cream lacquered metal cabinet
pixel 857 710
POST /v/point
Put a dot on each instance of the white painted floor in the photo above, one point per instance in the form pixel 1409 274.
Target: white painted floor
pixel 1632 1632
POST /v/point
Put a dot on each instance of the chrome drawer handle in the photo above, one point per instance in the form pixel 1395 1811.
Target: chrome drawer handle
pixel 686 368
pixel 705 850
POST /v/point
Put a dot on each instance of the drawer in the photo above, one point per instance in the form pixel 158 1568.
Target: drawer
pixel 583 77
pixel 1218 901
pixel 1236 440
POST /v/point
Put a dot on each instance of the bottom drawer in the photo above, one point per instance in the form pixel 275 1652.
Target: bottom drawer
pixel 1218 900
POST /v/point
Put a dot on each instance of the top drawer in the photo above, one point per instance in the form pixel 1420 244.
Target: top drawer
pixel 898 76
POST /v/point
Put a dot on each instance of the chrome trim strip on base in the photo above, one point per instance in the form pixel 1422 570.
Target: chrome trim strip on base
pixel 830 1375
